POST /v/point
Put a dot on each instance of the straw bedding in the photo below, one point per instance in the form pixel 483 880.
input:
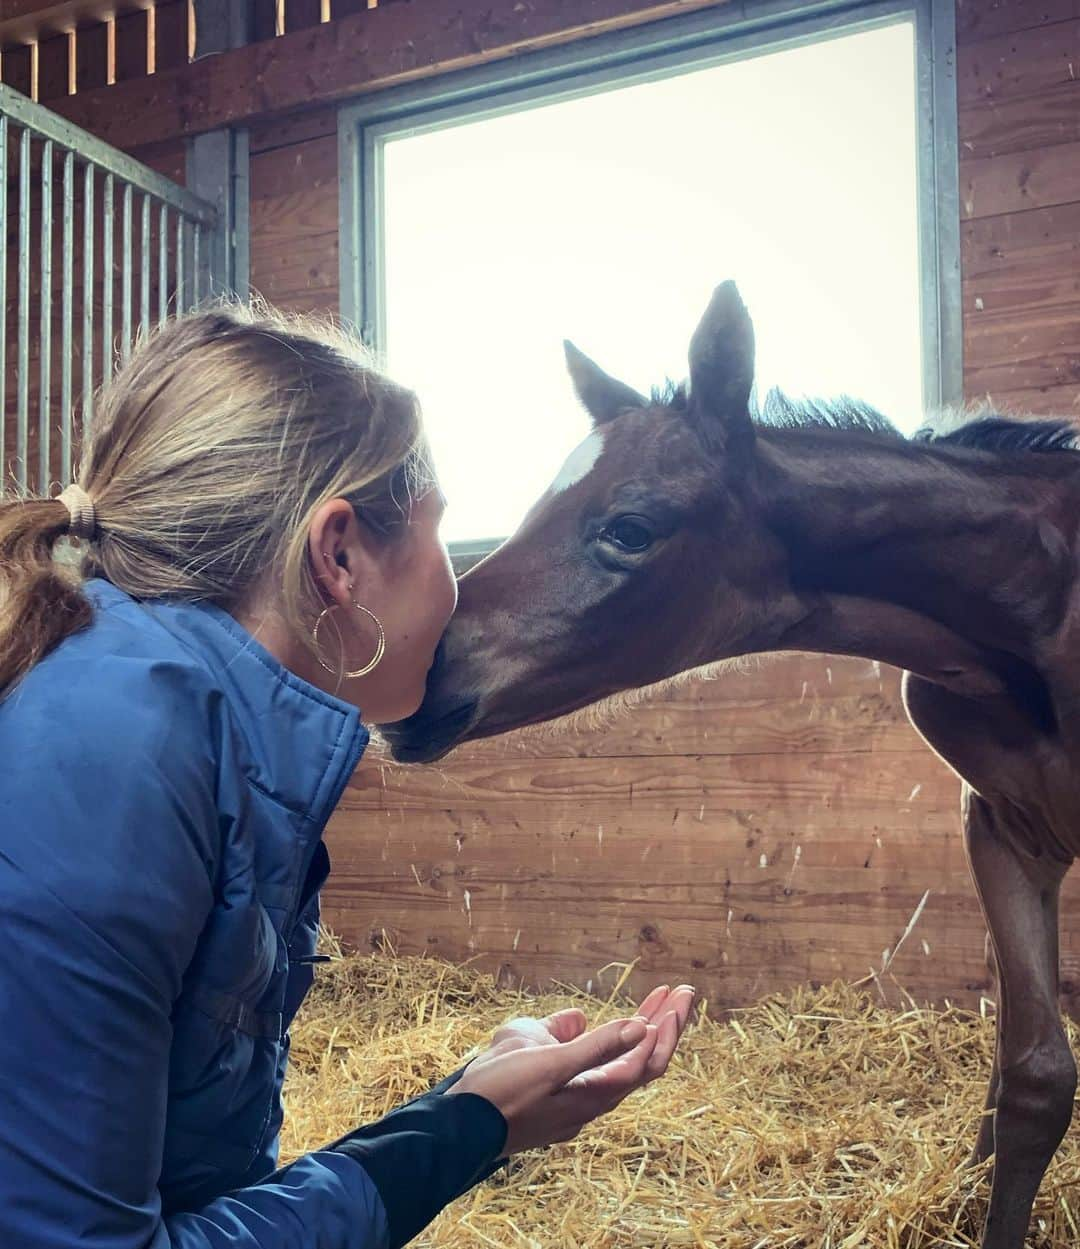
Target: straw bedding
pixel 815 1118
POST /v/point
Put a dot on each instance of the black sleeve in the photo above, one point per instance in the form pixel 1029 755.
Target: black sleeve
pixel 449 1081
pixel 442 1087
pixel 426 1153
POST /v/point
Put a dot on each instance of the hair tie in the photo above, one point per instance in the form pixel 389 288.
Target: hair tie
pixel 80 506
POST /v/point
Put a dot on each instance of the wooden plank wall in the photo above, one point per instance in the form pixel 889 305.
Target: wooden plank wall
pixel 1018 65
pixel 294 211
pixel 744 834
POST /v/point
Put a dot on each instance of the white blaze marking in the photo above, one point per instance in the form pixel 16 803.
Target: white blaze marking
pixel 579 464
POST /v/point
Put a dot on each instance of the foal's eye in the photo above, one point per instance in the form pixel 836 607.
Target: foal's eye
pixel 628 533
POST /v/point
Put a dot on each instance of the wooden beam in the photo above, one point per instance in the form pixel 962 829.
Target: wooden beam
pixel 342 59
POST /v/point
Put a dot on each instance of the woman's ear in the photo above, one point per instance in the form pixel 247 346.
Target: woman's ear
pixel 334 548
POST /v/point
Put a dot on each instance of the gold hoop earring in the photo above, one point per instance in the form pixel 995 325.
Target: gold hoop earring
pixel 380 646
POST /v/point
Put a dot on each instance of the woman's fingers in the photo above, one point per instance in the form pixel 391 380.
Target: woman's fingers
pixel 593 1049
pixel 662 999
pixel 669 1011
pixel 666 1040
pixel 670 1027
pixel 683 1001
pixel 603 1088
pixel 653 1004
pixel 608 1083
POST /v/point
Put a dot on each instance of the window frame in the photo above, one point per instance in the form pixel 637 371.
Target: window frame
pixel 710 37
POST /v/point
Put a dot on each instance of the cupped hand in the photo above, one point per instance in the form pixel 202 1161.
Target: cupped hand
pixel 549 1077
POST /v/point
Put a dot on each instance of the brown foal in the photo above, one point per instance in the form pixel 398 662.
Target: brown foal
pixel 691 528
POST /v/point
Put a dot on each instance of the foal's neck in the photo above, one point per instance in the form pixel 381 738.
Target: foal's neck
pixel 933 557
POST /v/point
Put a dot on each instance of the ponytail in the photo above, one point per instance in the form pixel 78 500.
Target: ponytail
pixel 40 604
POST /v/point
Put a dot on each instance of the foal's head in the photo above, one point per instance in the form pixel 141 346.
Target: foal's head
pixel 644 558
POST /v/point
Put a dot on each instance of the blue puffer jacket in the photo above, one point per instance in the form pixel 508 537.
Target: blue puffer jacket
pixel 164 785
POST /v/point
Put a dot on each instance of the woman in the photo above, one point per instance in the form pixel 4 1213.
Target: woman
pixel 262 560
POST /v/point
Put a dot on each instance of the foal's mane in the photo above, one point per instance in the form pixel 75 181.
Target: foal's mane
pixel 779 410
pixel 977 427
pixel 992 431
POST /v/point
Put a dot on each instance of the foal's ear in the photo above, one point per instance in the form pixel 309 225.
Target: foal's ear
pixel 722 360
pixel 601 396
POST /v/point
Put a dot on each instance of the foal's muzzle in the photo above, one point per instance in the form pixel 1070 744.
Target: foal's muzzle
pixel 428 735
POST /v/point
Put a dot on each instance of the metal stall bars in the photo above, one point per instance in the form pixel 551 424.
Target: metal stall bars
pixel 60 185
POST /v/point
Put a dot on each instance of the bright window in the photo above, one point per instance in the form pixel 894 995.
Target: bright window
pixel 608 219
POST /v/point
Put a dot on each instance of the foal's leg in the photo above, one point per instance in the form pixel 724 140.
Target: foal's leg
pixel 984 1143
pixel 1037 1073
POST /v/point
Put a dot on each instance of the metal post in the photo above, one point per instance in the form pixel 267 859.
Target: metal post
pixel 163 264
pixel 88 297
pixel 218 161
pixel 196 271
pixel 45 308
pixel 179 264
pixel 22 429
pixel 144 265
pixel 221 24
pixel 217 171
pixel 125 263
pixel 67 308
pixel 3 298
pixel 108 278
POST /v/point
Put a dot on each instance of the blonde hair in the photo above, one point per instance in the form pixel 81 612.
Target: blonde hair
pixel 208 455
